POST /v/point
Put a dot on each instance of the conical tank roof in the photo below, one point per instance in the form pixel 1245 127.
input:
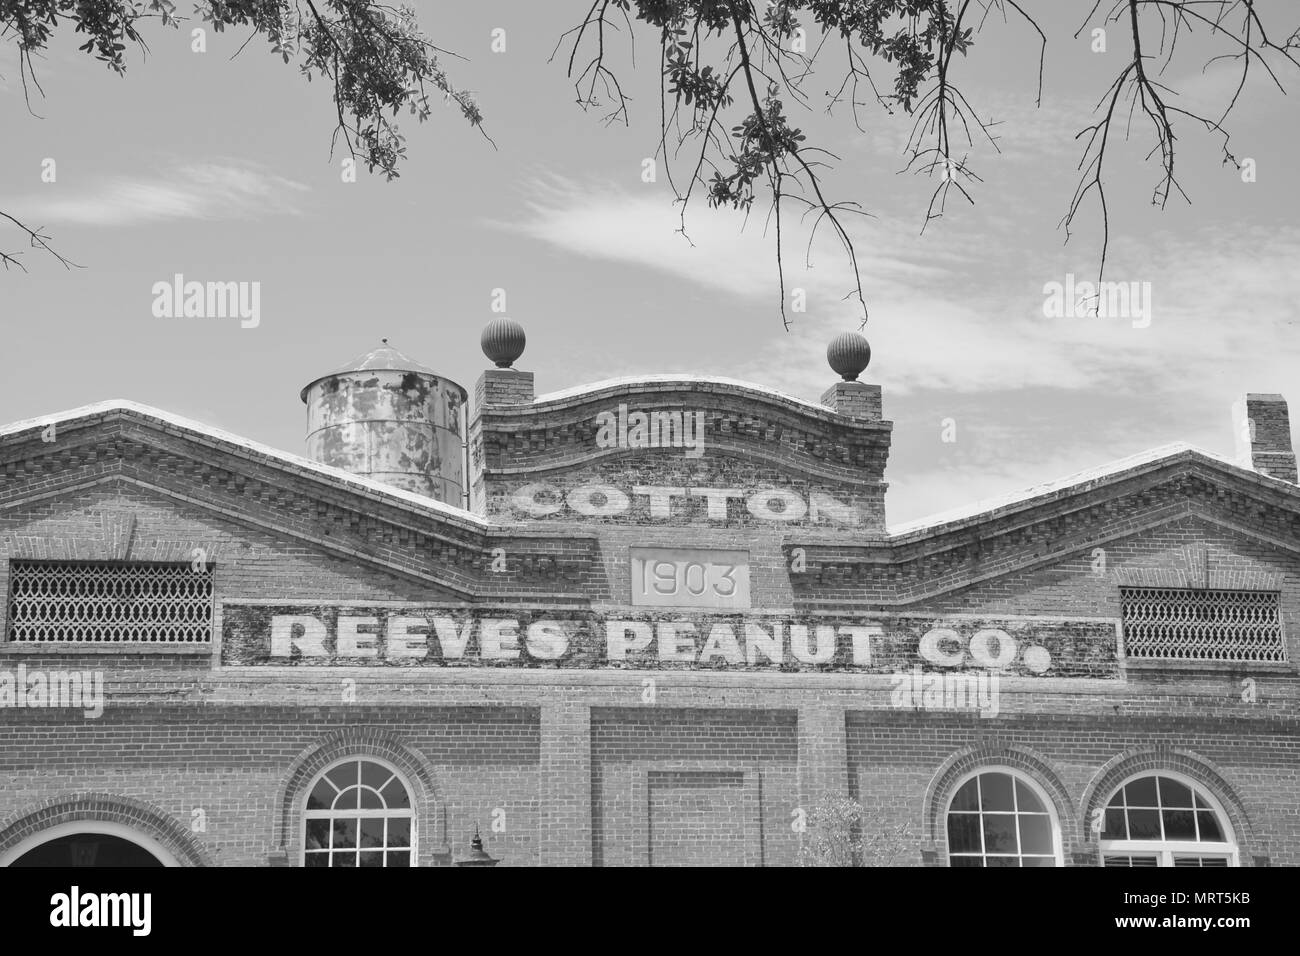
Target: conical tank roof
pixel 384 358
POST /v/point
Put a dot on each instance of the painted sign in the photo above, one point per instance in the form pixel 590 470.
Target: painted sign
pixel 435 636
pixel 708 505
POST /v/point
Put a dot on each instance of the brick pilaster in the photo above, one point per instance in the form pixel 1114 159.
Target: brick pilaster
pixel 496 386
pixel 564 814
pixel 854 399
pixel 503 386
pixel 823 754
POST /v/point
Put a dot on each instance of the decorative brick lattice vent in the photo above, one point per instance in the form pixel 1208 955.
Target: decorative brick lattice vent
pixel 1185 624
pixel 109 602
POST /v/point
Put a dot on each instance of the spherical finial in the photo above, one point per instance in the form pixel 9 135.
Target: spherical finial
pixel 503 341
pixel 849 355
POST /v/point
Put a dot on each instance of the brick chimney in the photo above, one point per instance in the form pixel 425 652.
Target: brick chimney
pixel 1264 436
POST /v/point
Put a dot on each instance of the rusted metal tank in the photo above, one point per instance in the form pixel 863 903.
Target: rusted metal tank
pixel 387 417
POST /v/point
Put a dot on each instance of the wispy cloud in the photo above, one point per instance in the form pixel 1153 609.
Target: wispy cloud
pixel 1224 302
pixel 194 191
pixel 720 249
pixel 963 335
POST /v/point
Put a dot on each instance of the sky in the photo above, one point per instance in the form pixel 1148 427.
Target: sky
pixel 217 166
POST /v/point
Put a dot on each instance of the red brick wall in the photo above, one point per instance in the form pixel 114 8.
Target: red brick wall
pixel 580 767
pixel 231 763
pixel 895 757
pixel 697 818
pixel 647 760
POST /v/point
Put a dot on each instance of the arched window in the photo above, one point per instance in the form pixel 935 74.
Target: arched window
pixel 999 818
pixel 358 813
pixel 1164 820
pixel 88 842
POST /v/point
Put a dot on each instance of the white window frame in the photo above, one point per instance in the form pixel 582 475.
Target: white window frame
pixel 98 827
pixel 371 814
pixel 1028 781
pixel 1165 850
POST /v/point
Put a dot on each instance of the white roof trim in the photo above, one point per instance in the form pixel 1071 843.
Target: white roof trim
pixel 670 379
pixel 1075 481
pixel 275 454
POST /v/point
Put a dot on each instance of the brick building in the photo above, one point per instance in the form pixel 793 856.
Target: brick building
pixel 648 621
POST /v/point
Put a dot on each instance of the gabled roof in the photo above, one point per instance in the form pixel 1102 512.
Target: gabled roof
pixel 1111 473
pixel 955 519
pixel 246 448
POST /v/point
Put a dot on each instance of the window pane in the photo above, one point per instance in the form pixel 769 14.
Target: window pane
pixel 996 788
pixel 1035 835
pixel 1209 826
pixel 965 861
pixel 374 775
pixel 347 800
pixel 1141 793
pixel 372 858
pixel 344 775
pixel 345 834
pixel 1038 861
pixel 344 859
pixel 1027 800
pixel 967 797
pixel 372 833
pixel 318 859
pixel 1143 824
pixel 322 795
pixel 1175 794
pixel 1179 825
pixel 999 833
pixel 370 799
pixel 395 795
pixel 399 833
pixel 318 834
pixel 1001 861
pixel 963 833
pixel 399 859
pixel 1115 829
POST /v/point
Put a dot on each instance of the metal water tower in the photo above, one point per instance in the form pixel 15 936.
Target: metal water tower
pixel 387 417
